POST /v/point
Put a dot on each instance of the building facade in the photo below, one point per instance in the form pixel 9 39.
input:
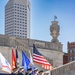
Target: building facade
pixel 71 51
pixel 17 18
pixel 65 58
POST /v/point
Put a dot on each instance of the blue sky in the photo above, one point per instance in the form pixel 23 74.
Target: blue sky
pixel 42 13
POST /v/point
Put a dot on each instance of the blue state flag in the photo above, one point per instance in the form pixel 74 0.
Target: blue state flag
pixel 25 61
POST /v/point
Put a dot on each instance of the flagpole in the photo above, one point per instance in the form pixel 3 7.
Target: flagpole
pixel 17 58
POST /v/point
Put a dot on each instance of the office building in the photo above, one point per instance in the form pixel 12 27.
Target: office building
pixel 17 18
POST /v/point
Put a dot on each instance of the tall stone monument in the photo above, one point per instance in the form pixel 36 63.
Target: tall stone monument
pixel 54 29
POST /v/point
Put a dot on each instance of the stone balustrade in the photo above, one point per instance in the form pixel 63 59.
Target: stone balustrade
pixel 12 41
pixel 67 69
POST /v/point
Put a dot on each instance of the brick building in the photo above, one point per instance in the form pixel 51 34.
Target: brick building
pixel 71 51
pixel 65 58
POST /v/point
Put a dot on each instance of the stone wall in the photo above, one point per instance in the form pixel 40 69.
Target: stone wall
pixel 67 69
pixel 13 41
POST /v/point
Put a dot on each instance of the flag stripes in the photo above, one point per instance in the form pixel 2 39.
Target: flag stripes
pixel 48 67
pixel 40 59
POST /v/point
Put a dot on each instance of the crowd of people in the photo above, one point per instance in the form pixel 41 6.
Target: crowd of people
pixel 29 71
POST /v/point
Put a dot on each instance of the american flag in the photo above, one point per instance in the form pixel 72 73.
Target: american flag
pixel 39 58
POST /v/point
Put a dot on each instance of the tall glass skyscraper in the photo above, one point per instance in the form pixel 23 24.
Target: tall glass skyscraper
pixel 17 18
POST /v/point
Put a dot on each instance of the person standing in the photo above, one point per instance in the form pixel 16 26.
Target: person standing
pixel 41 72
pixel 29 71
pixel 35 71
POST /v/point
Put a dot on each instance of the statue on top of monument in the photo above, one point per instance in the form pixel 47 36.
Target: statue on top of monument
pixel 54 29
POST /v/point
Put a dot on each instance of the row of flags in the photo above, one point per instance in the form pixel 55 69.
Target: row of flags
pixel 26 62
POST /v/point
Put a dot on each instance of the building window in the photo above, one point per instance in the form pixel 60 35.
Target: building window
pixel 74 50
pixel 70 58
pixel 70 51
pixel 74 57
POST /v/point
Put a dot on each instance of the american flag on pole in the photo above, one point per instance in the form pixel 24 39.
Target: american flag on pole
pixel 39 58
